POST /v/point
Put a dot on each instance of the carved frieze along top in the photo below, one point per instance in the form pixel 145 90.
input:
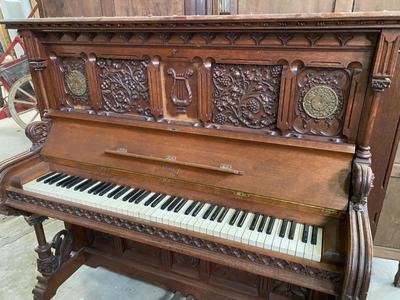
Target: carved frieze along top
pixel 288 21
pixel 277 39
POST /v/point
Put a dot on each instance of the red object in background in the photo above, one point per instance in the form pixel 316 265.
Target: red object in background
pixel 7 82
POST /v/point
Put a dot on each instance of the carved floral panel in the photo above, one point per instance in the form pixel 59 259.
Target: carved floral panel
pixel 124 86
pixel 75 80
pixel 246 95
pixel 321 101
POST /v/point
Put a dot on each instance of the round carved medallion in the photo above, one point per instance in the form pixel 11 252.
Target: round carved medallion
pixel 76 82
pixel 320 102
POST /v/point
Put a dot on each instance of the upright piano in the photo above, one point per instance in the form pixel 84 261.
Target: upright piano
pixel 224 157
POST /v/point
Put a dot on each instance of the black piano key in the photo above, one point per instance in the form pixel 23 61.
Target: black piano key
pixel 234 217
pixel 136 195
pixel 107 189
pixel 292 230
pixel 121 192
pixel 96 187
pixel 52 177
pixel 112 194
pixel 283 228
pixel 190 208
pixel 152 198
pixel 64 180
pixel 223 215
pixel 304 238
pixel 282 231
pixel 167 203
pixel 314 235
pixel 174 203
pixel 45 176
pixel 66 183
pixel 88 185
pixel 197 209
pixel 105 185
pixel 86 181
pixel 254 222
pixel 242 219
pixel 262 224
pixel 270 225
pixel 56 179
pixel 74 182
pixel 208 211
pixel 142 196
pixel 180 205
pixel 130 194
pixel 216 213
pixel 158 200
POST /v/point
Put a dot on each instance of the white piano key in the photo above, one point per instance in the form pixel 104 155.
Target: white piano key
pixel 276 243
pixel 293 243
pixel 300 245
pixel 222 229
pixel 283 248
pixel 308 251
pixel 270 237
pixel 263 235
pixel 317 249
pixel 240 232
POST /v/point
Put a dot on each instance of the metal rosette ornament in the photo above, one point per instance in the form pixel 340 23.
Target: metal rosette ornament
pixel 321 102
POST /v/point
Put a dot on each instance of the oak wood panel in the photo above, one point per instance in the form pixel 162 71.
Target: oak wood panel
pixel 284 6
pixel 331 185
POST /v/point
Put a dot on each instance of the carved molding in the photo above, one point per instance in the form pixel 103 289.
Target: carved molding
pixel 289 290
pixel 37 132
pixel 380 84
pixel 75 80
pixel 362 182
pixel 246 95
pixel 38 65
pixel 54 254
pixel 181 93
pixel 231 252
pixel 227 24
pixel 124 86
pixel 321 101
pixel 385 60
pixel 221 39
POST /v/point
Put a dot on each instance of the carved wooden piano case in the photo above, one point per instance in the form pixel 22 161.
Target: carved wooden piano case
pixel 266 114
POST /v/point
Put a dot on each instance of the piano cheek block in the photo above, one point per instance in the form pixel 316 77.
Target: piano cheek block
pixel 228 149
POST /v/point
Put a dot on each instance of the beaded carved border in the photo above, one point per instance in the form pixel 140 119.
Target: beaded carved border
pixel 187 240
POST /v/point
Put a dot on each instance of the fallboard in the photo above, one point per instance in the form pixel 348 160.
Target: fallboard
pixel 303 172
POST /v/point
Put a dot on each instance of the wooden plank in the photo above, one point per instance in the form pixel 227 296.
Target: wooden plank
pixel 388 253
pixel 284 6
pixel 373 5
pixel 388 233
pixel 343 5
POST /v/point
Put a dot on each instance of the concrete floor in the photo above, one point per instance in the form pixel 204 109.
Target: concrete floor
pixel 18 260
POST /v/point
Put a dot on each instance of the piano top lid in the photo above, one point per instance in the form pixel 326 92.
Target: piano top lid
pixel 355 20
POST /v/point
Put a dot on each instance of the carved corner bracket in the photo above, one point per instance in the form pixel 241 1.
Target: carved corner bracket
pixel 37 132
pixel 380 84
pixel 362 180
pixel 54 254
pixel 38 65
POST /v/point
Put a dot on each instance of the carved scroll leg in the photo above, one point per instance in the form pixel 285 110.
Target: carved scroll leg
pixel 397 277
pixel 55 260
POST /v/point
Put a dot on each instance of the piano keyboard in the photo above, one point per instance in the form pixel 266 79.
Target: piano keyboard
pixel 255 229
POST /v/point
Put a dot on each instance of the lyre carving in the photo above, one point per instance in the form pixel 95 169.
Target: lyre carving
pixel 181 94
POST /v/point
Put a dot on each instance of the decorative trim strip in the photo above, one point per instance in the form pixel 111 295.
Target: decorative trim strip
pixel 158 24
pixel 248 256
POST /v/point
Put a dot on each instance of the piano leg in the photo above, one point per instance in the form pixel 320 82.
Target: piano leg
pixel 56 261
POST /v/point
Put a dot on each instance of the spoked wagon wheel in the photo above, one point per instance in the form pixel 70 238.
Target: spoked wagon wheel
pixel 22 101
